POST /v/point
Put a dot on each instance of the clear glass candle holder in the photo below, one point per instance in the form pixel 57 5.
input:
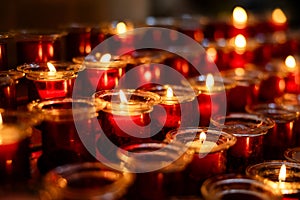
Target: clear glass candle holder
pixel 292 154
pixel 90 180
pixel 68 131
pixel 270 172
pixel 210 147
pixel 124 115
pixel 281 136
pixel 250 131
pixel 45 83
pixel 235 186
pixel 158 166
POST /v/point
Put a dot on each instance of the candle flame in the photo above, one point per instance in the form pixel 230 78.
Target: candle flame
pixel 51 67
pixel 240 17
pixel 123 97
pixel 239 71
pixel 1 120
pixel 121 28
pixel 105 58
pixel 211 54
pixel 240 41
pixel 282 173
pixel 202 137
pixel 278 16
pixel 290 62
pixel 169 93
pixel 210 81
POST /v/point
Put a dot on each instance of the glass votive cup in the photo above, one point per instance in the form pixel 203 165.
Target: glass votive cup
pixel 292 154
pixel 38 45
pixel 281 136
pixel 4 50
pixel 15 152
pixel 98 74
pixel 177 108
pixel 210 147
pixel 292 102
pixel 8 91
pixel 246 90
pixel 124 114
pixel 158 166
pixel 236 186
pixel 288 182
pixel 68 131
pixel 212 100
pixel 89 180
pixel 249 130
pixel 47 83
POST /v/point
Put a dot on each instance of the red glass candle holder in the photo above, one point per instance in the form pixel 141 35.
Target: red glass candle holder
pixel 91 180
pixel 246 90
pixel 158 166
pixel 212 100
pixel 177 110
pixel 101 75
pixel 249 130
pixel 234 186
pixel 4 50
pixel 38 46
pixel 47 84
pixel 8 93
pixel 292 102
pixel 210 154
pixel 15 153
pixel 125 118
pixel 281 136
pixel 268 172
pixel 67 130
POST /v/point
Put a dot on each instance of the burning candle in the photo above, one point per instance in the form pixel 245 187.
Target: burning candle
pixel 282 175
pixel 233 186
pixel 15 132
pixel 292 80
pixel 250 131
pixel 124 115
pixel 177 108
pixel 102 71
pixel 246 90
pixel 210 147
pixel 8 93
pixel 36 46
pixel 281 136
pixel 91 180
pixel 50 80
pixel 157 165
pixel 239 22
pixel 212 95
pixel 278 21
pixel 67 129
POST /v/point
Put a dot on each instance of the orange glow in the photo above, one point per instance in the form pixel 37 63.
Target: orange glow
pixel 239 17
pixel 51 50
pixel 209 81
pixel 282 173
pixel 105 58
pixel 40 51
pixel 211 54
pixel 278 16
pixel 123 97
pixel 239 71
pixel 240 44
pixel 169 93
pixel 202 137
pixel 290 62
pixel 121 28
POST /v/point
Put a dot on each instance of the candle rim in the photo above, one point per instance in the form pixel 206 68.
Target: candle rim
pixel 290 154
pixel 113 107
pixel 245 130
pixel 89 63
pixel 226 140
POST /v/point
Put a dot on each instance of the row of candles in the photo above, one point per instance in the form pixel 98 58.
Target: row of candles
pixel 238 120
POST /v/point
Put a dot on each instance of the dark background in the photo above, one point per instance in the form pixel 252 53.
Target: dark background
pixel 16 14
